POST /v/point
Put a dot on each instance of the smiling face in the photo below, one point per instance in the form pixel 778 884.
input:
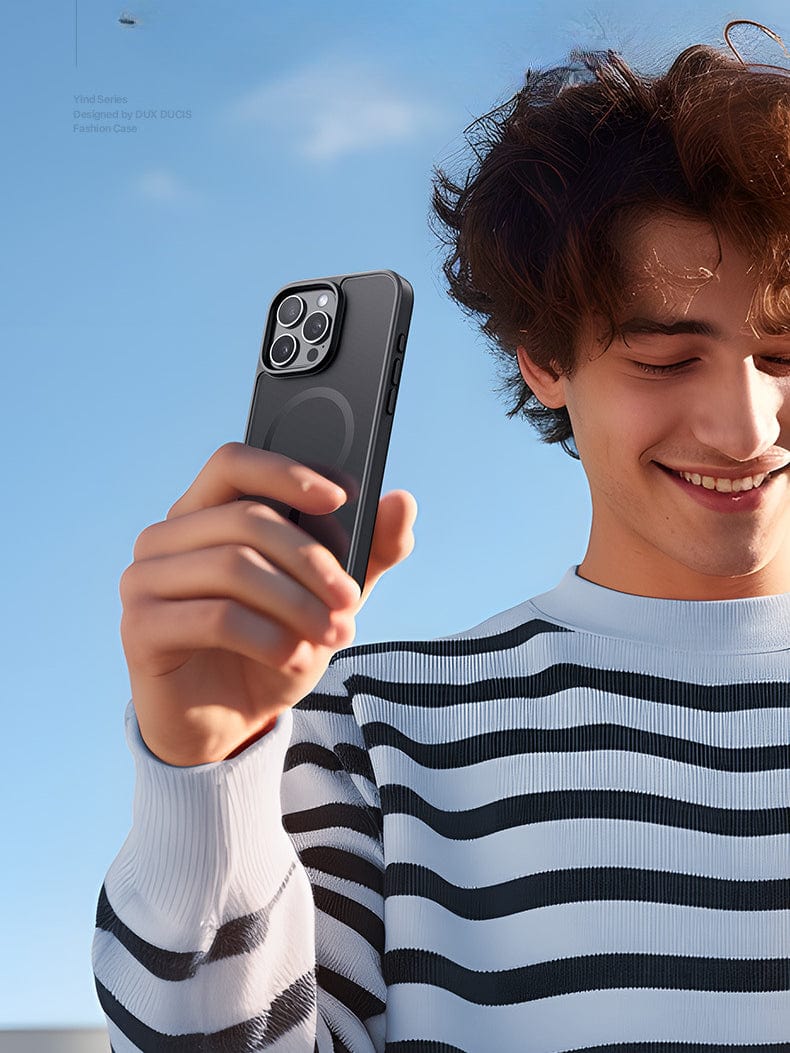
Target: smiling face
pixel 725 412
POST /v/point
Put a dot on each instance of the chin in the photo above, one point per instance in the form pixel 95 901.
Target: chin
pixel 724 564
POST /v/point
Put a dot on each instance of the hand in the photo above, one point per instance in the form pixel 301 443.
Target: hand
pixel 231 613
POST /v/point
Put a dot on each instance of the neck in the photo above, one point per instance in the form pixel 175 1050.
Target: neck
pixel 708 574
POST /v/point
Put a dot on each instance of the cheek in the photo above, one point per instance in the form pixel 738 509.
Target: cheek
pixel 619 425
pixel 614 425
pixel 647 421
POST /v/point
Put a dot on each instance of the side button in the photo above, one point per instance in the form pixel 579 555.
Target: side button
pixel 402 342
pixel 396 370
pixel 391 401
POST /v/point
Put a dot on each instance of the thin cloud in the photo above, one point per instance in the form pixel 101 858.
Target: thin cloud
pixel 338 108
pixel 158 184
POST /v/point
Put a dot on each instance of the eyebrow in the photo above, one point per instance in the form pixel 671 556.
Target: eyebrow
pixel 694 326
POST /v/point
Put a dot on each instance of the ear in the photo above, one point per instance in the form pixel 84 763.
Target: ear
pixel 550 390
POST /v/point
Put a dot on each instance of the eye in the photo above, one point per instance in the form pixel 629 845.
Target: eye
pixel 662 369
pixel 646 368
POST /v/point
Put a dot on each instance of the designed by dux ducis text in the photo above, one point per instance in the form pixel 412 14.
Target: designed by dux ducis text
pixel 117 119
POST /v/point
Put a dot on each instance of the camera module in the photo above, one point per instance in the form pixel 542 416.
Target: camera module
pixel 290 310
pixel 283 350
pixel 315 327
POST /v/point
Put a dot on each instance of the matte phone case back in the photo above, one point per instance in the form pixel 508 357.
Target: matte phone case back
pixel 336 421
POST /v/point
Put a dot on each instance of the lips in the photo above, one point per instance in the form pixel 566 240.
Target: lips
pixel 671 471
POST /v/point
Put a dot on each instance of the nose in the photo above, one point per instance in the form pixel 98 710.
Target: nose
pixel 737 412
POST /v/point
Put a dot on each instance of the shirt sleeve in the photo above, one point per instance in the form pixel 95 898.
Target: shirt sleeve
pixel 244 911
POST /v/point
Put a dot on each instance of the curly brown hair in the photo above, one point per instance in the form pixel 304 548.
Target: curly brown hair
pixel 533 230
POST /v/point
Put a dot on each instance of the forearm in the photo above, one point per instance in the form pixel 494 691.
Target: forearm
pixel 206 912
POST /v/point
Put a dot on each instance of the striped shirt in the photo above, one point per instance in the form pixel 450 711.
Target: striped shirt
pixel 564 829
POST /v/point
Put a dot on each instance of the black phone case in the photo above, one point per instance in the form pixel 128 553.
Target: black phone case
pixel 338 420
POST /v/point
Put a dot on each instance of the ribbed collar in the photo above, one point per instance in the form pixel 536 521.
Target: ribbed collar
pixel 752 625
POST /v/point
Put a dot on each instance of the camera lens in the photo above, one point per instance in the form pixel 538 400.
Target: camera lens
pixel 315 327
pixel 290 310
pixel 283 350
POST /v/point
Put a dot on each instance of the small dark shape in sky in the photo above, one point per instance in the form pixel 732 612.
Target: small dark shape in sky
pixel 127 20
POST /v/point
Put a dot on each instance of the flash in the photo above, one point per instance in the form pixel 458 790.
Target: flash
pixel 322 300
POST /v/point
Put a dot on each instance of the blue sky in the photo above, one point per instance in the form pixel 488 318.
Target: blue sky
pixel 136 273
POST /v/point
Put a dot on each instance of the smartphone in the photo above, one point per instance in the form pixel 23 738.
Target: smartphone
pixel 325 389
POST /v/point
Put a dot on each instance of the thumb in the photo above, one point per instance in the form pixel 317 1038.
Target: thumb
pixel 393 539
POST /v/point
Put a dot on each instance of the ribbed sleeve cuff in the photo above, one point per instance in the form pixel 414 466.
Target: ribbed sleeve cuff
pixel 207 843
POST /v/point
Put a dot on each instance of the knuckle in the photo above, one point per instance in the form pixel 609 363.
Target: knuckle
pixel 125 584
pixel 254 555
pixel 221 618
pixel 232 453
pixel 346 631
pixel 298 658
pixel 129 639
pixel 142 543
pixel 258 512
pixel 223 459
pixel 317 560
pixel 227 451
pixel 237 559
pixel 308 608
pixel 135 630
pixel 281 643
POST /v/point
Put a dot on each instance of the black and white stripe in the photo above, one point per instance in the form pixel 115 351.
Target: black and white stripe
pixel 578 842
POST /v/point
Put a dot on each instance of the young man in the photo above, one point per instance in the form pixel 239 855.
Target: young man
pixel 566 828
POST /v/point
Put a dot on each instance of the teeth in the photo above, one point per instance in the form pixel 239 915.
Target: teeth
pixel 724 486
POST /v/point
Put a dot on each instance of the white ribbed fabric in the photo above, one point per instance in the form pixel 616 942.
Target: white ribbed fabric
pixel 564 829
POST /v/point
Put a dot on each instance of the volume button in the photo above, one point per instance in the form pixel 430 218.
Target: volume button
pixel 402 342
pixel 396 368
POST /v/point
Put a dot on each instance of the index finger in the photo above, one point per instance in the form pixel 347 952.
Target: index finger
pixel 236 468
